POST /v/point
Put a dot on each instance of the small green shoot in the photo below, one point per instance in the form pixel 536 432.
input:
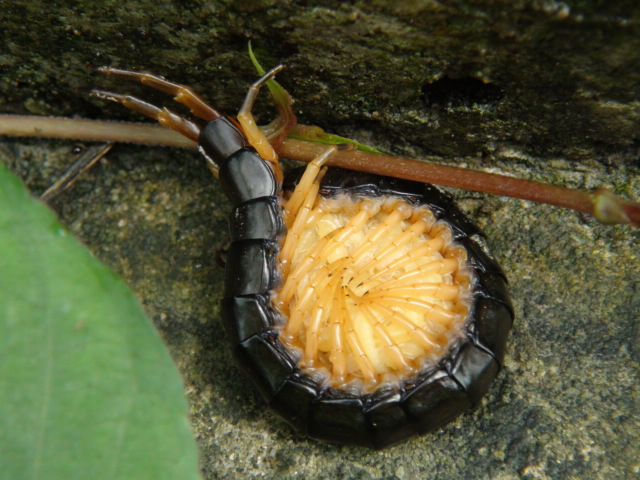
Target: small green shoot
pixel 283 100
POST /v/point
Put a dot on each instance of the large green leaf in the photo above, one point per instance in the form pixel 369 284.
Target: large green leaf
pixel 87 390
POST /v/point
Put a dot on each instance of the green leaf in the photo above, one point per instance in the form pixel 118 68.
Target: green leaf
pixel 87 390
pixel 278 92
pixel 318 135
pixel 283 100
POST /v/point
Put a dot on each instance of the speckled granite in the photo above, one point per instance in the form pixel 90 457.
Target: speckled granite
pixel 564 109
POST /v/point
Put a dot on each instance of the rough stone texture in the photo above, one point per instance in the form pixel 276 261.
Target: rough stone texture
pixel 540 89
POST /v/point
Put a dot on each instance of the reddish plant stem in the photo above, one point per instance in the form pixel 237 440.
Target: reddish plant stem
pixel 603 205
pixel 428 172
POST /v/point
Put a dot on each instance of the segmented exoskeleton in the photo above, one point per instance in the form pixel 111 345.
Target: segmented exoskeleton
pixel 365 309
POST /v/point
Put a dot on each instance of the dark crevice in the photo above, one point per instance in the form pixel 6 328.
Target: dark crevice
pixel 460 92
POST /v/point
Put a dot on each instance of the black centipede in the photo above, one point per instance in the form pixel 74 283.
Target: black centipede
pixel 365 309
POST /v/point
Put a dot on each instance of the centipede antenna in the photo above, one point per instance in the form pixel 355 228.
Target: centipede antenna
pixel 181 93
pixel 163 115
pixel 130 102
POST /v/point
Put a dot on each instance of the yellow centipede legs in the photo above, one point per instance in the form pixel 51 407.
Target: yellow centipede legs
pixel 308 179
pixel 371 286
pixel 298 209
pixel 252 132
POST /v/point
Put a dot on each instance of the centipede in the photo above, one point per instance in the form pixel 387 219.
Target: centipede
pixel 365 309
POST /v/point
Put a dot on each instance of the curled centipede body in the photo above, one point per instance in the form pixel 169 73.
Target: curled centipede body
pixel 365 309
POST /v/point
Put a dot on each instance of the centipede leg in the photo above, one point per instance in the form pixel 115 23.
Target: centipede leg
pixel 252 132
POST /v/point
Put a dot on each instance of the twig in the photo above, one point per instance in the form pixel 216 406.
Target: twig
pixel 603 205
pixel 92 130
